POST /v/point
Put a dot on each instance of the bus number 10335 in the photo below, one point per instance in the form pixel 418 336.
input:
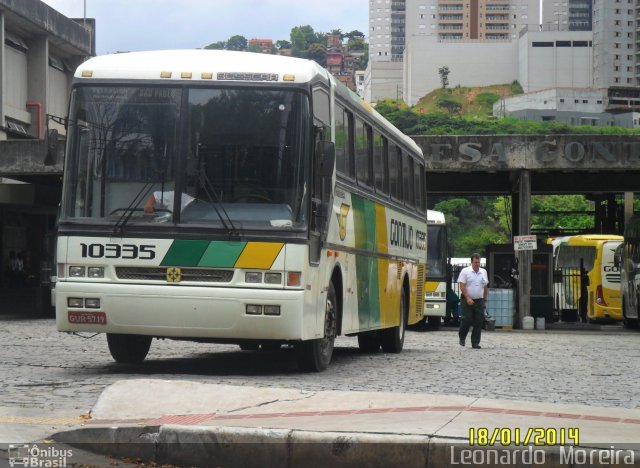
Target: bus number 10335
pixel 125 251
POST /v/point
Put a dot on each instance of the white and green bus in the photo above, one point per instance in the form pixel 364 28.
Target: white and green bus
pixel 240 198
pixel 435 289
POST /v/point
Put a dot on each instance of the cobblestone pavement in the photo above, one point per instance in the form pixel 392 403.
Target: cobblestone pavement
pixel 52 371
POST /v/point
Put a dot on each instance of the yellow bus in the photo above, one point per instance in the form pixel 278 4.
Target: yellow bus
pixel 602 288
pixel 238 198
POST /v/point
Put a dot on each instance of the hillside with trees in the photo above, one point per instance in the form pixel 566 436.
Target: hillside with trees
pixel 303 42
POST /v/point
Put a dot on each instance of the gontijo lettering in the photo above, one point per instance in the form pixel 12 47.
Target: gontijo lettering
pixel 403 235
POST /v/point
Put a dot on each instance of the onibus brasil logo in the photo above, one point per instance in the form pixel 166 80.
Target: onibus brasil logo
pixel 32 456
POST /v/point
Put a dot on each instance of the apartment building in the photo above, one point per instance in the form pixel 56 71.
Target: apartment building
pixel 615 44
pixel 387 32
pixel 567 15
pixel 471 20
pixel 455 31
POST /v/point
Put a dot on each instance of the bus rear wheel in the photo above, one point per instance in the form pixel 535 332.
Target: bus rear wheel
pixel 392 339
pixel 128 349
pixel 315 355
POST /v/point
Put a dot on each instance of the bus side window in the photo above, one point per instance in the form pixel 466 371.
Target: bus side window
pixel 418 177
pixel 363 151
pixel 381 164
pixel 342 141
pixel 407 179
pixel 395 173
pixel 321 111
pixel 345 163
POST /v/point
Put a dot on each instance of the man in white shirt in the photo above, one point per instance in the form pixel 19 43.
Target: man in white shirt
pixel 474 284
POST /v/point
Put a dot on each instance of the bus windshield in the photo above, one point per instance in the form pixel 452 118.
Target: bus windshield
pixel 436 250
pixel 215 157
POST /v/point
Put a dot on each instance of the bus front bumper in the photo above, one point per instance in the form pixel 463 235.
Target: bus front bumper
pixel 435 308
pixel 181 311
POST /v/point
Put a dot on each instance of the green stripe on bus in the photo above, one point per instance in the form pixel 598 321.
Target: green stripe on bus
pixel 222 254
pixel 364 216
pixel 185 253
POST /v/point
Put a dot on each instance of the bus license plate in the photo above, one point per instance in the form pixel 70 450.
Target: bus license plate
pixel 92 318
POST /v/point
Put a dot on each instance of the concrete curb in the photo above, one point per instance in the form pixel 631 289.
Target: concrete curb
pixel 264 448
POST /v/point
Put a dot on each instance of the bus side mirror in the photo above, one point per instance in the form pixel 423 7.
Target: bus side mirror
pixel 326 157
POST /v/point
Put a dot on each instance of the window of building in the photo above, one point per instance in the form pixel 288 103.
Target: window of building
pixel 542 44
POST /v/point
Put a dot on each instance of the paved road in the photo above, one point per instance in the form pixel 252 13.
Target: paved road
pixel 46 370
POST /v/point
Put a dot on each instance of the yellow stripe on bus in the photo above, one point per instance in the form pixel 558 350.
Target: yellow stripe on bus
pixel 431 286
pixel 259 255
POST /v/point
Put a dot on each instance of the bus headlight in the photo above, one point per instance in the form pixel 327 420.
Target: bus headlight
pixel 272 310
pixel 95 272
pixel 253 277
pixel 75 302
pixel 92 303
pixel 76 271
pixel 273 278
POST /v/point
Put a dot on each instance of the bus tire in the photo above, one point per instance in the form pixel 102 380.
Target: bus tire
pixel 315 355
pixel 392 339
pixel 369 342
pixel 128 349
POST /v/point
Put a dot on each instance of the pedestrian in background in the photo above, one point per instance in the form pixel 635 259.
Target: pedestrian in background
pixel 474 284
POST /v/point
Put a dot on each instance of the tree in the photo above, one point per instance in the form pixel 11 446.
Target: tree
pixel 354 34
pixel 220 45
pixel 237 43
pixel 282 44
pixel 318 52
pixel 254 48
pixel 444 76
pixel 302 37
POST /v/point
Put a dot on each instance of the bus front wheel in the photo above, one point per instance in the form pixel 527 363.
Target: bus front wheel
pixel 392 339
pixel 315 355
pixel 128 349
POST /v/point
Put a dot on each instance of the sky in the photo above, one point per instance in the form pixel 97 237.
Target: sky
pixel 133 25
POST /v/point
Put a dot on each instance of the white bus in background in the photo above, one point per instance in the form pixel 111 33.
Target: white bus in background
pixel 435 298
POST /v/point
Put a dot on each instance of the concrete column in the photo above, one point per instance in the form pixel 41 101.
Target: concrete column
pixel 524 257
pixel 38 77
pixel 628 206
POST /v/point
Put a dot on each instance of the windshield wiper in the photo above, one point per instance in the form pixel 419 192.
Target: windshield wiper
pixel 128 211
pixel 211 193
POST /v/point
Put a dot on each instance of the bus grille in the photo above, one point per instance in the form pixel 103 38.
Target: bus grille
pixel 613 277
pixel 203 275
pixel 420 292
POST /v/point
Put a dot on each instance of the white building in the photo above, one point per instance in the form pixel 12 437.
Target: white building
pixel 470 64
pixel 383 77
pixel 455 33
pixel 614 43
pixel 548 59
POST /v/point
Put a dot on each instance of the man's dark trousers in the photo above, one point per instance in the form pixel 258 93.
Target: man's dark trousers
pixel 471 315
